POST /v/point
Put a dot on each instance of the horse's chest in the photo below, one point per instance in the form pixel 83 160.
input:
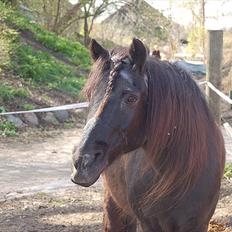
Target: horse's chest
pixel 120 179
pixel 115 182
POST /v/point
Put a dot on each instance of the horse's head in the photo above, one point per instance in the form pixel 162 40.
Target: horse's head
pixel 117 91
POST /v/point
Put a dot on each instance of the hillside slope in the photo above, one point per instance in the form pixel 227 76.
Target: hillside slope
pixel 37 67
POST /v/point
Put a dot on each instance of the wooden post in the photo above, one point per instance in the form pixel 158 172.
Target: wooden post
pixel 214 60
pixel 230 94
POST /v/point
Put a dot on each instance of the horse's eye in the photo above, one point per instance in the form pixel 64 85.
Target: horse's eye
pixel 131 99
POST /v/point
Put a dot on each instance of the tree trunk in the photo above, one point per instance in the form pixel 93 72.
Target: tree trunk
pixel 57 16
pixel 86 29
pixel 67 17
pixel 215 48
pixel 48 16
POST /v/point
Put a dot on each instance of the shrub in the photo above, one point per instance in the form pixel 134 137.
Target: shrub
pixel 7 129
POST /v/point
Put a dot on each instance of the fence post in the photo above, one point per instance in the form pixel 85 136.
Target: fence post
pixel 213 74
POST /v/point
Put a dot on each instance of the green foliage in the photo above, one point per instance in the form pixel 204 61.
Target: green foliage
pixel 72 85
pixel 39 68
pixel 28 106
pixel 35 65
pixel 7 129
pixel 8 93
pixel 73 51
pixel 7 35
pixel 228 170
pixel 2 109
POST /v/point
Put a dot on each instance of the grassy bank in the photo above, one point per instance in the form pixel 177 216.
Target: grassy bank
pixel 34 61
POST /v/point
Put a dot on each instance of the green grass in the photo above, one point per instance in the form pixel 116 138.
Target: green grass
pixel 38 68
pixel 228 170
pixel 28 106
pixel 8 93
pixel 35 69
pixel 7 129
pixel 72 85
pixel 74 51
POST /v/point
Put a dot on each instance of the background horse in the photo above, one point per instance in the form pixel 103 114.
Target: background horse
pixel 156 53
pixel 152 138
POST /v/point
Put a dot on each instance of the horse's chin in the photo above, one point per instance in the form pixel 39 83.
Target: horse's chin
pixel 82 183
pixel 88 176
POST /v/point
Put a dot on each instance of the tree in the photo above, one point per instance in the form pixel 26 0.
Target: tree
pixel 196 35
pixel 60 15
pixel 48 12
pixel 72 15
pixel 92 9
pixel 137 19
pixel 85 11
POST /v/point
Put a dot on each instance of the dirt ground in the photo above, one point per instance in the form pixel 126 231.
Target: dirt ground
pixel 77 209
pixel 37 195
pixel 68 210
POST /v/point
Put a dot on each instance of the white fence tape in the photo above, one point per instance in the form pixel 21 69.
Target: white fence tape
pixel 55 108
pixel 217 91
pixel 86 104
pixel 228 130
pixel 202 83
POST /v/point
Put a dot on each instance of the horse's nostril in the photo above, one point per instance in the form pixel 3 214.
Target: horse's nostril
pixel 98 154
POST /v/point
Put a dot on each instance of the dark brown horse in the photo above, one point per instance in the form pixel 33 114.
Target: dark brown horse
pixel 152 138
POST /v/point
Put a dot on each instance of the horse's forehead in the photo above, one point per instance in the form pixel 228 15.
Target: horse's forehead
pixel 126 76
pixel 129 77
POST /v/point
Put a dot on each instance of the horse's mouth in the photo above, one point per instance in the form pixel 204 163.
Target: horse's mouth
pixel 86 174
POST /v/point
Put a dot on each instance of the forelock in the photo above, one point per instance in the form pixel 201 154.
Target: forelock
pixel 118 57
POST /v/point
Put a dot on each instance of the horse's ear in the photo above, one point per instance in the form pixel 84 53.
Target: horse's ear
pixel 138 53
pixel 97 50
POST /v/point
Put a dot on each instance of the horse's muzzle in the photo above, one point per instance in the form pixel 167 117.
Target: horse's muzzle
pixel 88 167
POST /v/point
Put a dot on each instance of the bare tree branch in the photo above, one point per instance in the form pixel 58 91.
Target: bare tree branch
pixel 57 15
pixel 69 15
